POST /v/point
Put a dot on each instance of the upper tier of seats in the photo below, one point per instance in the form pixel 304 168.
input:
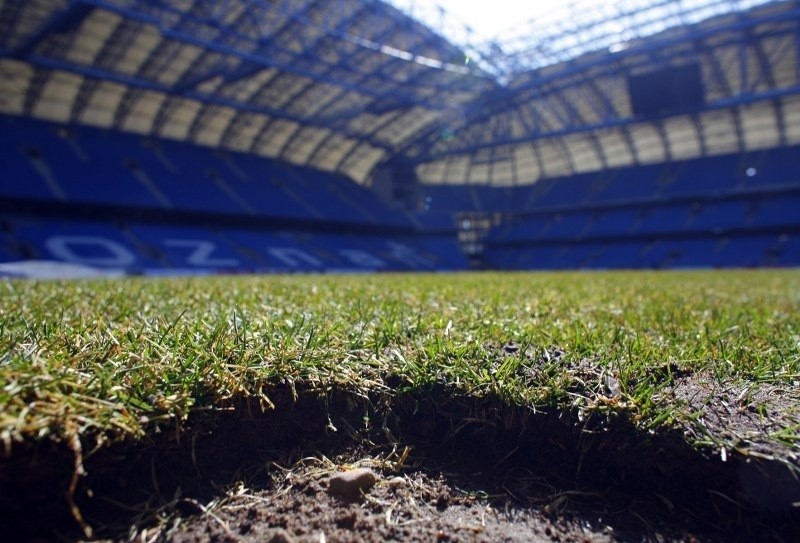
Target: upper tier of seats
pixel 130 204
pixel 82 165
pixel 704 177
pixel 715 212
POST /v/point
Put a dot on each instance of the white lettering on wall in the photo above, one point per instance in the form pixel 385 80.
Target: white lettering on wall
pixel 99 251
pixel 362 258
pixel 294 258
pixel 66 248
pixel 201 252
pixel 408 256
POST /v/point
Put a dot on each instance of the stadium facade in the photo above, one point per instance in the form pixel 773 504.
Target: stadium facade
pixel 193 136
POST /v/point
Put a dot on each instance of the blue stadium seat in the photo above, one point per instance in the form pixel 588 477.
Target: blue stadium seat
pixel 493 199
pixel 662 219
pixel 20 178
pixel 627 255
pixel 572 256
pixel 85 174
pixel 317 195
pixel 448 198
pixel 778 210
pixel 788 251
pixel 190 178
pixel 567 225
pixel 542 257
pixel 563 191
pixel 265 186
pixel 744 251
pixel 99 244
pixel 774 167
pixel 691 253
pixel 89 165
pixel 442 221
pixel 526 229
pixel 538 257
pixel 613 222
pixel 630 184
pixel 444 251
pixel 10 249
pixel 189 248
pixel 92 165
pixel 722 216
pixel 708 176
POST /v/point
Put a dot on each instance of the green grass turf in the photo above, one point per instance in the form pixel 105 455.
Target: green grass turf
pixel 108 359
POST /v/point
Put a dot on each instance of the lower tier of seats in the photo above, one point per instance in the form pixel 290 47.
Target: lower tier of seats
pixel 762 250
pixel 130 247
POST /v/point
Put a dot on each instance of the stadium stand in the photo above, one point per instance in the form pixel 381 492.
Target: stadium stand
pixel 169 138
pixel 82 167
pixel 147 248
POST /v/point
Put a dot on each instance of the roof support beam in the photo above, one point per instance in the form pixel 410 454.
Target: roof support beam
pixel 610 113
pixel 721 104
pixel 565 122
pixel 526 123
pixel 263 58
pixel 344 24
pixel 397 99
pixel 608 64
pixel 202 97
pixel 60 22
pixel 767 74
pixel 222 68
pixel 693 32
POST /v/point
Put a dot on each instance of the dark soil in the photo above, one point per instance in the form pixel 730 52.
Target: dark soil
pixel 745 419
pixel 448 468
pixel 412 507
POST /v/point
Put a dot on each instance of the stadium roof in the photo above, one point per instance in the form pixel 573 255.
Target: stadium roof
pixel 558 32
pixel 576 114
pixel 344 85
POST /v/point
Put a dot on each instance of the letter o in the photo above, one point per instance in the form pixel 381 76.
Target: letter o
pixel 63 248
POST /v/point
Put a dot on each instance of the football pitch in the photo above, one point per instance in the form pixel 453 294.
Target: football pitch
pixel 673 396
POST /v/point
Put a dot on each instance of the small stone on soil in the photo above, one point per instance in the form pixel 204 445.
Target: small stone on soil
pixel 396 482
pixel 280 536
pixel 351 483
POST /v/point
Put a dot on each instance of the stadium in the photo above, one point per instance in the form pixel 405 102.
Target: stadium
pixel 196 200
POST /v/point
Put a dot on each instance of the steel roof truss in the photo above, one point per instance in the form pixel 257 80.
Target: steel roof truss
pixel 202 97
pixel 170 104
pixel 341 27
pixel 83 98
pixel 156 54
pixel 767 75
pixel 59 23
pixel 718 72
pixel 219 63
pixel 35 90
pixel 265 58
pixel 536 82
pixel 391 119
pixel 720 105
pixel 10 21
pixel 766 61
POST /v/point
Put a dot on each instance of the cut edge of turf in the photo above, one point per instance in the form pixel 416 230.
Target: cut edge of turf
pixel 658 474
